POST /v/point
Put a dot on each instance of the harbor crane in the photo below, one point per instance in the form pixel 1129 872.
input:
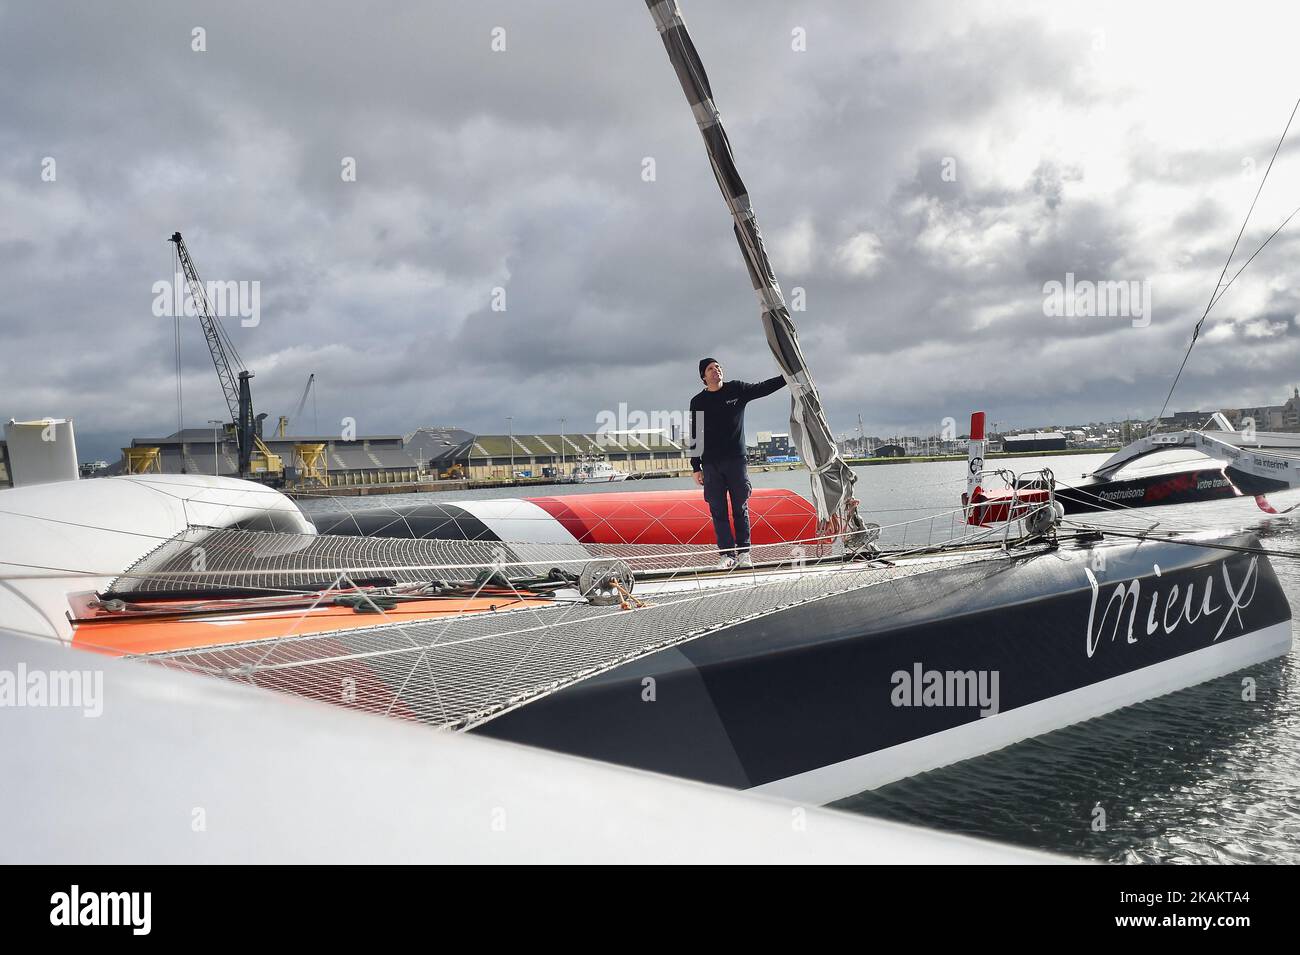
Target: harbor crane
pixel 302 403
pixel 254 456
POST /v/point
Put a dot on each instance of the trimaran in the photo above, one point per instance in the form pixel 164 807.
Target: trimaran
pixel 850 656
pixel 1184 466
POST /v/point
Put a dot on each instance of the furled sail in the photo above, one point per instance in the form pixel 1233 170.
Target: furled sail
pixel 832 479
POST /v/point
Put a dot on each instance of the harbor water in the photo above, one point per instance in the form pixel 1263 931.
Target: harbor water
pixel 1202 775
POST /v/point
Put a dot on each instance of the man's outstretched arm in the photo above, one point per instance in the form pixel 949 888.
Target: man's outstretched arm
pixel 750 391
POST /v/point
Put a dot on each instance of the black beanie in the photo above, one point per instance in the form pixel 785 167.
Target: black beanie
pixel 704 363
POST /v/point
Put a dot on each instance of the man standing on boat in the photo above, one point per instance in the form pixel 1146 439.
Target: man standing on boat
pixel 717 434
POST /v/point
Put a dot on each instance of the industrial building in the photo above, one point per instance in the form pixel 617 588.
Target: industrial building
pixel 773 447
pixel 890 450
pixel 428 453
pixel 491 456
pixel 377 459
pixel 441 451
pixel 1034 441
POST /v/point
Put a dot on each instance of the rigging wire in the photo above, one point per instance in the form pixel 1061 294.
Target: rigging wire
pixel 1212 545
pixel 1225 288
pixel 176 341
pixel 1219 287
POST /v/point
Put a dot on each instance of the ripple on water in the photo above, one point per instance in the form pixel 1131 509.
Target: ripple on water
pixel 1197 776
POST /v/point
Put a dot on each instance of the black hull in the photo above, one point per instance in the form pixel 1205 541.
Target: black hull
pixel 1177 487
pixel 1253 484
pixel 821 700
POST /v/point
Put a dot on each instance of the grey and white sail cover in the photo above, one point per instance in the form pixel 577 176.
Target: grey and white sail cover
pixel 832 479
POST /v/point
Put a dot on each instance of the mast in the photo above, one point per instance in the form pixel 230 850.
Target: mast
pixel 832 479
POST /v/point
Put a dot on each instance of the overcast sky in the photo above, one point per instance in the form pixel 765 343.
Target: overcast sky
pixel 1116 142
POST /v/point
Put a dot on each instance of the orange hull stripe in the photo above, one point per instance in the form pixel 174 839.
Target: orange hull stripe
pixel 120 637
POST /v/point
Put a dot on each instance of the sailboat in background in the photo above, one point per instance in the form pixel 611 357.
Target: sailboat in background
pixel 1179 466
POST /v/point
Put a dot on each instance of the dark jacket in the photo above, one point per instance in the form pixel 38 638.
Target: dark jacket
pixel 723 413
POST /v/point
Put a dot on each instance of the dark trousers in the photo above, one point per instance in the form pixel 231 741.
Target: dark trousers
pixel 723 480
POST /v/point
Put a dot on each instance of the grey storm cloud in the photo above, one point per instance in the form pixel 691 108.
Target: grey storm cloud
pixel 522 170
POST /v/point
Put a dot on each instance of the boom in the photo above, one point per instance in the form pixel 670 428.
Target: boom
pixel 311 380
pixel 219 343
